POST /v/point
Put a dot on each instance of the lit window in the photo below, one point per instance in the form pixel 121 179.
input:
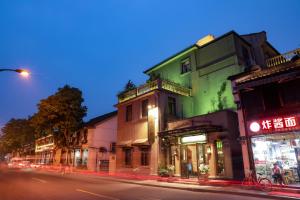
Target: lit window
pixel 220 158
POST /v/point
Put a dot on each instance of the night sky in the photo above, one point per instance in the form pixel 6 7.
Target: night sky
pixel 98 45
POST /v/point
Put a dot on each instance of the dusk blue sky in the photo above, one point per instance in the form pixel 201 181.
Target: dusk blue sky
pixel 98 45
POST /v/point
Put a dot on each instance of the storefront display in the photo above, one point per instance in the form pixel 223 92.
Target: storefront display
pixel 282 149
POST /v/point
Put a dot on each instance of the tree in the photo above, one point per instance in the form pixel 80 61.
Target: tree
pixel 221 99
pixel 61 115
pixel 15 135
pixel 129 86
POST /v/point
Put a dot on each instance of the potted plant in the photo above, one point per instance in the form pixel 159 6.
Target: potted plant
pixel 203 169
pixel 166 171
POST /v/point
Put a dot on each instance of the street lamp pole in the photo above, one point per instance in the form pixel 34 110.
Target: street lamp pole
pixel 23 72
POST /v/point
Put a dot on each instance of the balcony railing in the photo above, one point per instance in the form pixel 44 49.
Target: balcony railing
pixel 153 85
pixel 283 58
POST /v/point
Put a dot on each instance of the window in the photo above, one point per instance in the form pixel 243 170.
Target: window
pixel 127 156
pixel 185 66
pixel 113 147
pixel 145 108
pixel 220 158
pixel 245 53
pixel 144 156
pixel 171 106
pixel 128 113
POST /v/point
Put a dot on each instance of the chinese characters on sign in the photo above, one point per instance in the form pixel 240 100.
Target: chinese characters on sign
pixel 275 124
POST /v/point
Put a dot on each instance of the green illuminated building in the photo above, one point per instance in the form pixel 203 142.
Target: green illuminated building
pixel 184 118
pixel 211 62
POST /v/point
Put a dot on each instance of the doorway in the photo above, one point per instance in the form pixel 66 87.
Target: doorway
pixel 191 157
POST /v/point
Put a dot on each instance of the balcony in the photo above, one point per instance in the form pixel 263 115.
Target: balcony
pixel 154 85
pixel 283 58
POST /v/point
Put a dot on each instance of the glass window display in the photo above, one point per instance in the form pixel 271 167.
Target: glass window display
pixel 281 150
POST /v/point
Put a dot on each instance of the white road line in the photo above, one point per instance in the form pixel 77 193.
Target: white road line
pixel 39 180
pixel 97 195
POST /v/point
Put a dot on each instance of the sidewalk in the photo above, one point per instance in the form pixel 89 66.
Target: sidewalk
pixel 215 186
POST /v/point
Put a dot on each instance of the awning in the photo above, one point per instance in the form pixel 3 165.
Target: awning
pixel 124 143
pixel 192 130
pixel 143 141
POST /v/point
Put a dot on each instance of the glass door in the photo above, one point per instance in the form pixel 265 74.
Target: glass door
pixel 183 161
pixel 201 161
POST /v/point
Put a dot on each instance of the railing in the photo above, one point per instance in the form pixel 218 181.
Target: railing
pixel 157 84
pixel 283 58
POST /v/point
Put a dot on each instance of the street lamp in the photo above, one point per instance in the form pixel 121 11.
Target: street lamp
pixel 22 72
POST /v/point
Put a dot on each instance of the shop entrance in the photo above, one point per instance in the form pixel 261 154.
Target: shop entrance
pixel 280 149
pixel 191 157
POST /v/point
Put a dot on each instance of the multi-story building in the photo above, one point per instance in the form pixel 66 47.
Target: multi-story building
pixel 268 106
pixel 184 116
pixel 45 151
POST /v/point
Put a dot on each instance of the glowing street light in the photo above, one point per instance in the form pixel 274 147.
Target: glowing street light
pixel 22 72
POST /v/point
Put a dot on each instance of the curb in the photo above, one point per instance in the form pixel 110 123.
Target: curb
pixel 205 190
pixel 116 179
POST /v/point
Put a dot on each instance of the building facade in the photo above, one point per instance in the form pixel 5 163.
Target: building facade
pixel 101 142
pixel 268 102
pixel 183 116
pixel 45 151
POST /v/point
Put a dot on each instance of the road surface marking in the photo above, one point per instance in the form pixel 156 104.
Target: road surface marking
pixel 97 195
pixel 39 180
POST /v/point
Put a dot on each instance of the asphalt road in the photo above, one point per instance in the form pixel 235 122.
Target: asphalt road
pixel 31 185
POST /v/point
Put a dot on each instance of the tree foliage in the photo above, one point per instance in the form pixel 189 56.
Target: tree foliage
pixel 15 135
pixel 128 86
pixel 61 114
pixel 222 99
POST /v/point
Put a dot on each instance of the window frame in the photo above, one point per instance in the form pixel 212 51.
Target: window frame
pixel 173 113
pixel 183 67
pixel 144 156
pixel 144 113
pixel 113 147
pixel 128 157
pixel 128 113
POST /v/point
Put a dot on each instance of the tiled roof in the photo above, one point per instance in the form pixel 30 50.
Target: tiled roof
pixel 101 118
pixel 263 73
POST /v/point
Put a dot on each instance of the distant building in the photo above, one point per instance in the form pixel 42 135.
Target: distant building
pixel 93 147
pixel 184 116
pixel 101 142
pixel 45 151
pixel 268 106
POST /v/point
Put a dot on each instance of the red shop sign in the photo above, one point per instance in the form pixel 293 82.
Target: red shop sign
pixel 274 124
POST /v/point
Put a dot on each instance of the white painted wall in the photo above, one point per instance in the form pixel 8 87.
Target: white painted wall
pixel 101 135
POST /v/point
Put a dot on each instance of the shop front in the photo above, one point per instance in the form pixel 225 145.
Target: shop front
pixel 198 152
pixel 276 142
pixel 193 154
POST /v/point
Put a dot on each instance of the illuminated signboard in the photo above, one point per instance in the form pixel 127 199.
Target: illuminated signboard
pixel 274 124
pixel 194 139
